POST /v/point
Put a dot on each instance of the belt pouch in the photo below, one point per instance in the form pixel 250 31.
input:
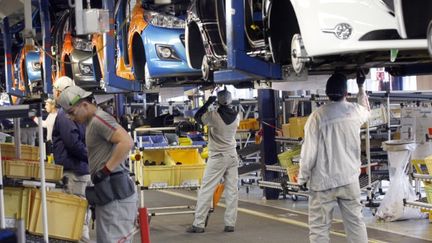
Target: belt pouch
pixel 122 185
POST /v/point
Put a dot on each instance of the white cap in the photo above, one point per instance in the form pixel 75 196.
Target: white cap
pixel 72 96
pixel 62 83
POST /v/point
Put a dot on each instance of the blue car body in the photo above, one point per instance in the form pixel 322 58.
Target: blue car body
pixel 32 58
pixel 174 38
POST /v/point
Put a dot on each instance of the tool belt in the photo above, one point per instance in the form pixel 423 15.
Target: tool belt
pixel 117 186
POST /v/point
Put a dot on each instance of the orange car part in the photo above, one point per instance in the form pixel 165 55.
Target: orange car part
pixel 218 194
pixel 136 26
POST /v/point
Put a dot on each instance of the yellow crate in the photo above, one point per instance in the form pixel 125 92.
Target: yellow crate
pixel 293 172
pixel 428 163
pixel 296 127
pixel 66 215
pixel 27 152
pixel 249 124
pixel 18 169
pixel 428 190
pixel 286 130
pixel 156 175
pixel 191 169
pixel 188 174
pixel 53 172
pixel 185 141
pixel 17 203
pixel 285 158
pixel 420 165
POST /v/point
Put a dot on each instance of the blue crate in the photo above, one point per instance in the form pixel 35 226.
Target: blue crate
pixel 144 141
pixel 159 141
pixel 172 138
pixel 197 139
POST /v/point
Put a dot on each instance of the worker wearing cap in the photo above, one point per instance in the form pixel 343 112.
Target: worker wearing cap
pixel 69 149
pixel 330 162
pixel 222 161
pixel 108 146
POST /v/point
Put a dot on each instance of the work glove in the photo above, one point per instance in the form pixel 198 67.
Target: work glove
pixel 361 77
pixel 303 187
pixel 211 99
pixel 101 174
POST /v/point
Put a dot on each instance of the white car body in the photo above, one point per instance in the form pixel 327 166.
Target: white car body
pixel 364 16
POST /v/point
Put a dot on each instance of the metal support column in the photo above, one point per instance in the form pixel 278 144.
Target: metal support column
pixel 267 114
pixel 119 105
pixel 7 46
pixel 111 80
pixel 46 42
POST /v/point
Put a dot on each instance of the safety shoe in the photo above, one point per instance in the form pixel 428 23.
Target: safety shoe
pixel 194 229
pixel 229 229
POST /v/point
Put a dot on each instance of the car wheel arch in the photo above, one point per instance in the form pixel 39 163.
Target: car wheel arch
pixel 138 57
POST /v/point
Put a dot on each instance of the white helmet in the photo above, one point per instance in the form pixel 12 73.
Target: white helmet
pixel 62 83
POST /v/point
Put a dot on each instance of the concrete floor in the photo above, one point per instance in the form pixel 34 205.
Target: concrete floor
pixel 261 220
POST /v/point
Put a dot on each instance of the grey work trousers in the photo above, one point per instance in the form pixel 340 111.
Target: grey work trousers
pixel 321 206
pixel 116 220
pixel 76 185
pixel 218 166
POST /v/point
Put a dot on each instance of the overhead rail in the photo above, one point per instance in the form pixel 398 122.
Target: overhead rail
pixel 241 66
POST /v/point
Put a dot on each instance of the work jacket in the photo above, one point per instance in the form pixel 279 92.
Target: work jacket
pixel 69 145
pixel 330 155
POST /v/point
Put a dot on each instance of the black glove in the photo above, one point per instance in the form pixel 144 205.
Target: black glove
pixel 303 187
pixel 101 174
pixel 211 99
pixel 361 77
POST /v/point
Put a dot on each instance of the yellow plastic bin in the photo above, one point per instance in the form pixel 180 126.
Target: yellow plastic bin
pixel 185 141
pixel 19 169
pixel 189 166
pixel 158 175
pixel 423 166
pixel 53 172
pixel 285 158
pixel 17 203
pixel 293 172
pixel 66 215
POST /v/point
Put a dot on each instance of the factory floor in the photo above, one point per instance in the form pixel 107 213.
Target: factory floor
pixel 260 220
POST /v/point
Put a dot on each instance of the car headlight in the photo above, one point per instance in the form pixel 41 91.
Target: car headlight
pixel 36 66
pixel 82 45
pixel 164 20
pixel 166 52
pixel 86 69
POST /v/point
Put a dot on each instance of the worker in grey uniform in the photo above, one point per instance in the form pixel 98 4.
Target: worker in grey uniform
pixel 108 146
pixel 222 161
pixel 69 149
pixel 330 162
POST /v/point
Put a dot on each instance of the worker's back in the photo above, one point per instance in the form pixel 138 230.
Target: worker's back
pixel 221 135
pixel 336 128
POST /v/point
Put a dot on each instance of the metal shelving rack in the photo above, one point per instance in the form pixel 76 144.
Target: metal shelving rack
pixel 23 111
pixel 282 183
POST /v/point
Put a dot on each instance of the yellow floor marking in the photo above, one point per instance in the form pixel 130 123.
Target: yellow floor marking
pixel 264 215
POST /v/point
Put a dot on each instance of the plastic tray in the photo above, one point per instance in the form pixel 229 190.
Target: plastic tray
pixel 66 215
pixel 189 166
pixel 158 140
pixel 19 169
pixel 17 203
pixel 53 172
pixel 197 139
